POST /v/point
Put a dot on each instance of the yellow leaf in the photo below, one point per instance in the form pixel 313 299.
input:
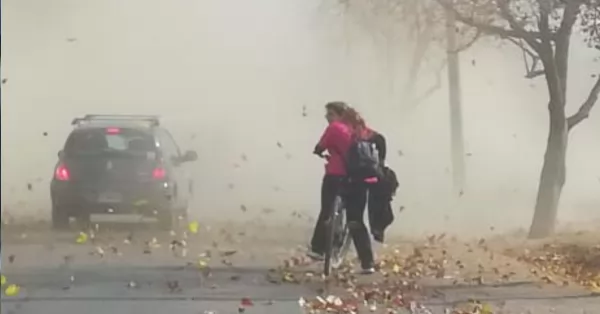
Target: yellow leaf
pixel 288 277
pixel 2 280
pixel 595 287
pixel 12 290
pixel 82 238
pixel 202 264
pixel 396 268
pixel 193 227
pixel 486 309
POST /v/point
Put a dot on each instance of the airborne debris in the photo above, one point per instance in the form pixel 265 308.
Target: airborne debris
pixel 81 238
pixel 193 227
pixel 174 286
pixel 12 290
pixel 228 253
pixel 246 302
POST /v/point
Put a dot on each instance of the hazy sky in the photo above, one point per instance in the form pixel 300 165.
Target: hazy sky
pixel 234 75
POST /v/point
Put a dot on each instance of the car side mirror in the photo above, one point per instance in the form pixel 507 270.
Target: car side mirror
pixel 61 154
pixel 189 155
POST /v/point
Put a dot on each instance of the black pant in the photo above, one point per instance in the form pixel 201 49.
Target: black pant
pixel 356 201
pixel 355 197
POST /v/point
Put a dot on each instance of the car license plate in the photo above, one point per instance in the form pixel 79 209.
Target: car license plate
pixel 110 197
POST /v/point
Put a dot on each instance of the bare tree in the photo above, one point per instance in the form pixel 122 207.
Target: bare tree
pixel 543 29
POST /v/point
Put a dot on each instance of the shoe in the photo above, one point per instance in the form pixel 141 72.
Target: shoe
pixel 368 271
pixel 315 255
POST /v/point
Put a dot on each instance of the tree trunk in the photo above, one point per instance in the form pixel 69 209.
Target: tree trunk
pixel 552 178
pixel 456 125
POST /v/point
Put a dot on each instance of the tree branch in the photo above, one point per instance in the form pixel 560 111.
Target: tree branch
pixel 470 43
pixel 584 111
pixel 434 87
pixel 531 71
pixel 416 101
pixel 492 29
pixel 530 37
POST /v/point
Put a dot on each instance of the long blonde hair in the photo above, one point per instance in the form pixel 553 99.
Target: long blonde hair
pixel 350 117
pixel 353 119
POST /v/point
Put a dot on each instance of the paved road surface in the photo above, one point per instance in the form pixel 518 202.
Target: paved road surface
pixel 121 272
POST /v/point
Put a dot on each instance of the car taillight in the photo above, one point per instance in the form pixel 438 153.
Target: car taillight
pixel 113 130
pixel 62 173
pixel 159 173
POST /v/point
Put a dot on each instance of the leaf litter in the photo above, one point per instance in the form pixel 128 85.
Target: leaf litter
pixel 403 274
pixel 400 272
pixel 561 263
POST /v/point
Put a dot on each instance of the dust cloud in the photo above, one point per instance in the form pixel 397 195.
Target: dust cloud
pixel 232 79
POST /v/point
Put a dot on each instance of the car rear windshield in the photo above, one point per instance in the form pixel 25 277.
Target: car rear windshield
pixel 110 139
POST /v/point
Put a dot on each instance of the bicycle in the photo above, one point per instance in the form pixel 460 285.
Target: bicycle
pixel 337 236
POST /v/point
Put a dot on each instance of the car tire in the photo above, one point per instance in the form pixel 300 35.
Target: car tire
pixel 166 220
pixel 84 220
pixel 60 218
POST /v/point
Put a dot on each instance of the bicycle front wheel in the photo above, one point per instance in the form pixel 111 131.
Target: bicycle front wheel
pixel 337 238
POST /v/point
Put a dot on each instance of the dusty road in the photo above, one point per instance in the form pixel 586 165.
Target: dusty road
pixel 225 267
pixel 146 271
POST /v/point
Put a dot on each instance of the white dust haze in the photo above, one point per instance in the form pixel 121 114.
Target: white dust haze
pixel 230 78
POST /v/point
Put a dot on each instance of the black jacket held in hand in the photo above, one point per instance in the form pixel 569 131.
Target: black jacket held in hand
pixel 381 214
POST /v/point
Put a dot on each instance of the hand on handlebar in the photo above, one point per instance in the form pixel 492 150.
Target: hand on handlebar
pixel 323 155
pixel 319 151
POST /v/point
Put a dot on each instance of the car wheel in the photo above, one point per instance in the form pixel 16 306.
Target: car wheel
pixel 84 220
pixel 166 220
pixel 60 218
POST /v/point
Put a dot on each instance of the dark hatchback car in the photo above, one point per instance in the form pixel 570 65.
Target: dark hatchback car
pixel 121 164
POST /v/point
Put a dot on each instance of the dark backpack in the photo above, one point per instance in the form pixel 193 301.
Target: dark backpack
pixel 362 160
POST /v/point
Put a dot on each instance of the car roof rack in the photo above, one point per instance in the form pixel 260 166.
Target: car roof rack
pixel 152 119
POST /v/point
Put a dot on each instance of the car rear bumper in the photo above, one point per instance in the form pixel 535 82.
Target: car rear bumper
pixel 144 199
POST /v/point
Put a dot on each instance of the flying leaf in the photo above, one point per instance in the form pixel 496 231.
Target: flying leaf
pixel 193 227
pixel 246 302
pixel 81 238
pixel 12 290
pixel 202 264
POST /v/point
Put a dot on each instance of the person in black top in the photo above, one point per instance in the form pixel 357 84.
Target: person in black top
pixel 379 193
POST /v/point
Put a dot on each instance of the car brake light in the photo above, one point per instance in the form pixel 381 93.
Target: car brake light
pixel 113 130
pixel 62 173
pixel 159 173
